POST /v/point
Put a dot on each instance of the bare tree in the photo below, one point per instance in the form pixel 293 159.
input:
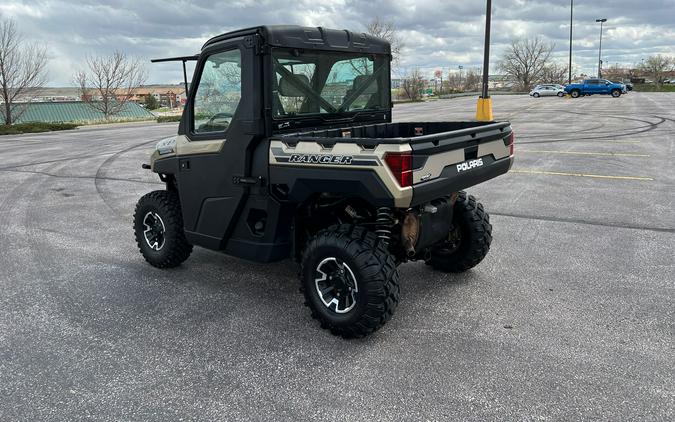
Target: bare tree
pixel 389 32
pixel 109 81
pixel 22 70
pixel 438 74
pixel 525 60
pixel 616 73
pixel 657 67
pixel 554 73
pixel 472 80
pixel 413 84
pixel 454 81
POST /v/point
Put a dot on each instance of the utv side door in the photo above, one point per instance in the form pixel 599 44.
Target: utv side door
pixel 217 128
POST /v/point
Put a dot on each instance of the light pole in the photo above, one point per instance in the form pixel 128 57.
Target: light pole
pixel 603 20
pixel 460 75
pixel 484 106
pixel 569 79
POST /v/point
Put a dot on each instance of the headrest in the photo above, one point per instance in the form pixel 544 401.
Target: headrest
pixel 362 79
pixel 288 89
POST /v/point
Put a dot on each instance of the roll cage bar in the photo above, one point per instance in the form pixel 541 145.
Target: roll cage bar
pixel 183 59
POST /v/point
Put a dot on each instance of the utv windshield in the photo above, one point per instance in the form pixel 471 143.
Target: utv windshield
pixel 322 82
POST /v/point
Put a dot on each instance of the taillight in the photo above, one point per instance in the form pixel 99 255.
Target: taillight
pixel 511 142
pixel 400 163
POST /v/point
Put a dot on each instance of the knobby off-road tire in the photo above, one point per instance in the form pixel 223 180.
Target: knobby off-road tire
pixel 360 299
pixel 158 226
pixel 475 236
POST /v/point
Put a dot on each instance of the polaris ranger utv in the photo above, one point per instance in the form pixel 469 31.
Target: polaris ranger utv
pixel 286 149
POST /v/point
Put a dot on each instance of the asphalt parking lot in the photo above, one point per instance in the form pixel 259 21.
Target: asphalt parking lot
pixel 571 316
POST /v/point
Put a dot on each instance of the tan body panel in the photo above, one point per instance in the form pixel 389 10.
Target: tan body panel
pixel 496 148
pixel 185 147
pixel 402 196
pixel 436 163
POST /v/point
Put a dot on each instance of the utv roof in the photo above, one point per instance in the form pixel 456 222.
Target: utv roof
pixel 295 36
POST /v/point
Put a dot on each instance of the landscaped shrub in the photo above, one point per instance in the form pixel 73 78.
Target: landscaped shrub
pixel 34 127
pixel 165 119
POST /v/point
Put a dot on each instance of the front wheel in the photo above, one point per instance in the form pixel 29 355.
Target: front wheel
pixel 535 95
pixel 349 280
pixel 616 93
pixel 158 226
pixel 561 94
pixel 469 241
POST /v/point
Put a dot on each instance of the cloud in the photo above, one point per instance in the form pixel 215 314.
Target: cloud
pixel 436 34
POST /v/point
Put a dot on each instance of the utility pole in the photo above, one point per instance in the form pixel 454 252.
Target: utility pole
pixel 484 107
pixel 603 20
pixel 569 79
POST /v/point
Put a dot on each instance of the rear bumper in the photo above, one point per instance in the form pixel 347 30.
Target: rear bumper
pixel 451 180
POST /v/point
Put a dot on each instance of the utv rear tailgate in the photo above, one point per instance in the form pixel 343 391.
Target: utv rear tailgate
pixel 442 158
pixel 452 161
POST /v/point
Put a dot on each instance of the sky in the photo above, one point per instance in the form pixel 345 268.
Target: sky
pixel 437 34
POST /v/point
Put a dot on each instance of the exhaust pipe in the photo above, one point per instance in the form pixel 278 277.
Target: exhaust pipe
pixel 410 251
pixel 425 226
pixel 410 231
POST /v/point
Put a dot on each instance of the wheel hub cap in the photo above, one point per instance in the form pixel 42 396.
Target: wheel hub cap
pixel 336 285
pixel 154 230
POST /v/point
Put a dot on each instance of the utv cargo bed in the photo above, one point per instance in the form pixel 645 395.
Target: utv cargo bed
pixel 445 157
pixel 398 133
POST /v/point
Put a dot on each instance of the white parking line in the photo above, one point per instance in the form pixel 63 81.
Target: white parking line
pixel 607 154
pixel 595 176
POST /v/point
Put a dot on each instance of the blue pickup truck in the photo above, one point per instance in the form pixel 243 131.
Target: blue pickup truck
pixel 596 86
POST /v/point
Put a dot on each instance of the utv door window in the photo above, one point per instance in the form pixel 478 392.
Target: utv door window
pixel 218 92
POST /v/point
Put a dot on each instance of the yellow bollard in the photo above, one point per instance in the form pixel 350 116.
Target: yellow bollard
pixel 484 110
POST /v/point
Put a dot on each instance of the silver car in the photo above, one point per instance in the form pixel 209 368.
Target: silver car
pixel 547 90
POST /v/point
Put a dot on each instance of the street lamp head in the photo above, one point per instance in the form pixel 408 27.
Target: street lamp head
pixel 601 20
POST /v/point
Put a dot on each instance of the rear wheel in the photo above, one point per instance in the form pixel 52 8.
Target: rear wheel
pixel 469 241
pixel 616 93
pixel 349 280
pixel 575 93
pixel 158 225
